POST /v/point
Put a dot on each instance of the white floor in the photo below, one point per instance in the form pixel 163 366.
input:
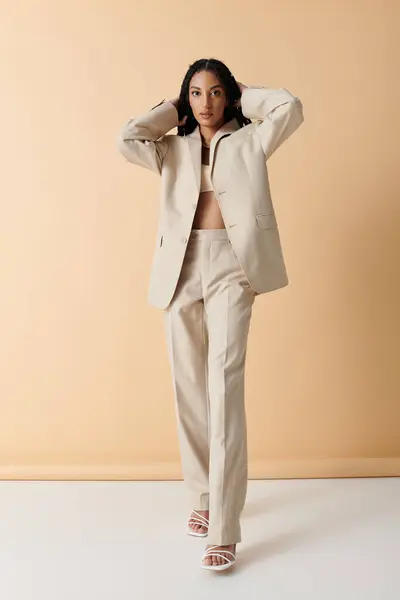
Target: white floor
pixel 319 539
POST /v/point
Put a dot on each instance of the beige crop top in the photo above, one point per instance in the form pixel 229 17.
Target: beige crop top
pixel 206 184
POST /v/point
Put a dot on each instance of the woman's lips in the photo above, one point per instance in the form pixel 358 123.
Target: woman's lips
pixel 206 115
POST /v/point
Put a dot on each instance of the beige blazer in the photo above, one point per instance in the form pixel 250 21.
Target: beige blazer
pixel 239 176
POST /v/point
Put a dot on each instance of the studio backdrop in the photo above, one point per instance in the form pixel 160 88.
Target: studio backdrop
pixel 85 386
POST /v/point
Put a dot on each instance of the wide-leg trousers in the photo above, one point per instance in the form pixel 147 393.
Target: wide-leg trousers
pixel 207 325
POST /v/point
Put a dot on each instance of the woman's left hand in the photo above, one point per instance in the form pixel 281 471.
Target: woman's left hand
pixel 241 87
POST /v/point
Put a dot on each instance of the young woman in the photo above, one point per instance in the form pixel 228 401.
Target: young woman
pixel 217 248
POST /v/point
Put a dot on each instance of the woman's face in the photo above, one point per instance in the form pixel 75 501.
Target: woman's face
pixel 207 99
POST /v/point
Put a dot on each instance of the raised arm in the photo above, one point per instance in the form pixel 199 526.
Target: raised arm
pixel 139 140
pixel 279 112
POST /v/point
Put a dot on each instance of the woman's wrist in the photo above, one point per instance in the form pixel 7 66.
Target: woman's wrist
pixel 174 101
pixel 242 87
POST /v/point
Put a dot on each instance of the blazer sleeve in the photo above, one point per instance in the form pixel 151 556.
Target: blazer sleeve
pixel 279 112
pixel 143 141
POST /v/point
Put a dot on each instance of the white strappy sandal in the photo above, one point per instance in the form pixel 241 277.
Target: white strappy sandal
pixel 211 552
pixel 199 520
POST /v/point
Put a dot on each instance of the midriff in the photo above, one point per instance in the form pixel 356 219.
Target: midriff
pixel 208 214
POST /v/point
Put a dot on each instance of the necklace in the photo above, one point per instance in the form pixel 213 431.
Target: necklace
pixel 205 145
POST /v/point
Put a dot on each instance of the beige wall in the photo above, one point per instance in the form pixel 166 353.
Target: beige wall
pixel 85 383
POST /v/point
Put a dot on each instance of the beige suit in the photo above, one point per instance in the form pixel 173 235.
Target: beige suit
pixel 240 179
pixel 206 281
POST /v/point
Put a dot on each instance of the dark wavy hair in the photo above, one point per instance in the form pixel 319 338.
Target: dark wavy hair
pixel 229 84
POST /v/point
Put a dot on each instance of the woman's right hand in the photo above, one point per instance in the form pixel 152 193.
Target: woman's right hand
pixel 175 102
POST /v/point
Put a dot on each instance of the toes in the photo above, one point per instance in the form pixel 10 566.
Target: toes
pixel 198 527
pixel 220 560
pixel 193 525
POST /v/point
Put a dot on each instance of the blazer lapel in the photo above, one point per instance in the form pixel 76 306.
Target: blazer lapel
pixel 194 143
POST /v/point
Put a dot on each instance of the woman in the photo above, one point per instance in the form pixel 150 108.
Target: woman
pixel 214 181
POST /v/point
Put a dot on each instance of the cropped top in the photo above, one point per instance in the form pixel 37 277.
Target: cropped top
pixel 206 184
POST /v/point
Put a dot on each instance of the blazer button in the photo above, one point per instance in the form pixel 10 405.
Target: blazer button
pixel 183 240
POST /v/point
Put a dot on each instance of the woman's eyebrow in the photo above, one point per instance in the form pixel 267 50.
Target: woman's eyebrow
pixel 211 88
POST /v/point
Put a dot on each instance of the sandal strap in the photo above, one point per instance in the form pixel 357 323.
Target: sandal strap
pixel 219 546
pixel 220 556
pixel 200 519
pixel 197 522
pixel 199 515
pixel 211 552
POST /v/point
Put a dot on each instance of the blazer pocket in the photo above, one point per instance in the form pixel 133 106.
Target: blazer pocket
pixel 266 220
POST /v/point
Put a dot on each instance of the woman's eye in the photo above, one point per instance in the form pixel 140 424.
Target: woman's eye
pixel 194 92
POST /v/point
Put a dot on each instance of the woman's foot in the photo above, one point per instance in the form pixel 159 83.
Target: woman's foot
pixel 218 560
pixel 195 522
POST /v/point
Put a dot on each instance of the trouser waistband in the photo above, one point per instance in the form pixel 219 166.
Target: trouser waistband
pixel 209 234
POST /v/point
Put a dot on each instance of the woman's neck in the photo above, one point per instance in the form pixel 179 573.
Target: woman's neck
pixel 207 133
